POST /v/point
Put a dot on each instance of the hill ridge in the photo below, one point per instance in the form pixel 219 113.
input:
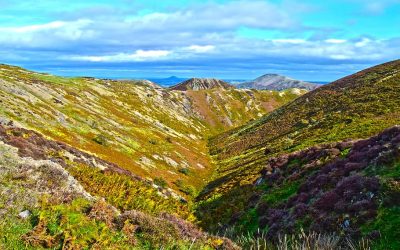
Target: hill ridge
pixel 274 81
pixel 201 84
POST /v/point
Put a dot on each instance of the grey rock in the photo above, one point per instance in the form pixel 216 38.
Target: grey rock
pixel 24 214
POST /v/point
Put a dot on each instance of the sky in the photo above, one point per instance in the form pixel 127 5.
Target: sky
pixel 309 40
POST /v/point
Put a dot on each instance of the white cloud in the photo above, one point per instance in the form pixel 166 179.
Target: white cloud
pixel 34 28
pixel 363 42
pixel 200 34
pixel 139 55
pixel 200 49
pixel 339 57
pixel 359 49
pixel 151 53
pixel 47 34
pixel 217 17
pixel 191 24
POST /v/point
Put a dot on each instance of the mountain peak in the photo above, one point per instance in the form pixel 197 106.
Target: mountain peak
pixel 270 75
pixel 277 82
pixel 201 83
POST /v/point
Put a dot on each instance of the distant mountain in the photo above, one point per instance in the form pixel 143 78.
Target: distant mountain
pixel 167 82
pixel 201 83
pixel 276 82
pixel 234 82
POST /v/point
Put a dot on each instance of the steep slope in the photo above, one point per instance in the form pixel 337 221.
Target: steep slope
pixel 148 130
pixel 54 196
pixel 350 188
pixel 354 107
pixel 201 83
pixel 227 108
pixel 276 82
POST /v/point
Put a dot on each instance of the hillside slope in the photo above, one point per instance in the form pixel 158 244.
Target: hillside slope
pixel 276 82
pixel 145 129
pixel 354 107
pixel 349 188
pixel 54 196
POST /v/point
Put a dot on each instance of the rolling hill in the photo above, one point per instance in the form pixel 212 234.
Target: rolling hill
pixel 276 82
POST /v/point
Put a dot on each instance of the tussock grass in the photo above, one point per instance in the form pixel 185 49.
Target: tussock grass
pixel 300 241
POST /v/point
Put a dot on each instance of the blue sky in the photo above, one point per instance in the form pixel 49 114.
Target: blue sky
pixel 310 39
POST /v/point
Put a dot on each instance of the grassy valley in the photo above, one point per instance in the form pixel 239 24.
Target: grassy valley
pixel 143 128
pixel 128 152
pixel 91 163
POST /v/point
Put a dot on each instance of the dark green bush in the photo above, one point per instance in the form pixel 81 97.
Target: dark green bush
pixel 101 139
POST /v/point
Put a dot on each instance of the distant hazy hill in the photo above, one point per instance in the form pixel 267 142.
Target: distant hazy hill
pixel 169 81
pixel 201 83
pixel 276 82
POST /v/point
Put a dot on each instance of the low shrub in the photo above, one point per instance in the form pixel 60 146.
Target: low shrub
pixel 159 181
pixel 101 139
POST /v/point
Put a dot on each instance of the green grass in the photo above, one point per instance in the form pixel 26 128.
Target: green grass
pixel 69 226
pixel 126 194
pixel 58 225
pixel 11 231
pixel 387 222
pixel 249 222
pixel 389 171
pixel 281 193
pixel 345 152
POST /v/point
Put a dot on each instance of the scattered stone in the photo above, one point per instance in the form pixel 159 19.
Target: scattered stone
pixel 200 165
pixel 170 162
pixel 24 214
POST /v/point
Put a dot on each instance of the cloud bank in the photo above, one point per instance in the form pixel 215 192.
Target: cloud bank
pixel 199 39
